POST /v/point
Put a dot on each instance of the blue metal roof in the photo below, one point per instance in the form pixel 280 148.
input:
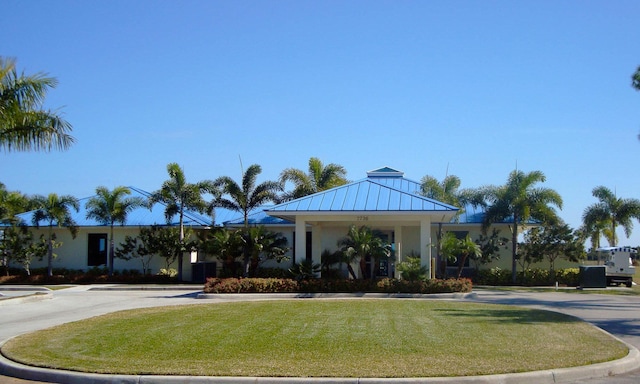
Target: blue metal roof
pixel 475 215
pixel 257 216
pixel 384 190
pixel 141 216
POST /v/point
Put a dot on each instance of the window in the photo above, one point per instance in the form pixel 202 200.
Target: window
pixel 308 246
pixel 97 250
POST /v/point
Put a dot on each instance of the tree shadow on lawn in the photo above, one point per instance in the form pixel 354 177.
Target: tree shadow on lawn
pixel 618 317
pixel 512 315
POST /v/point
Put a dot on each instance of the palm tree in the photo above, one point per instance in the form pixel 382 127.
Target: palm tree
pixel 248 196
pixel 610 212
pixel 260 244
pixel 226 245
pixel 55 210
pixel 461 249
pixel 517 202
pixel 24 125
pixel 178 195
pixel 594 230
pixel 446 192
pixel 244 199
pixel 110 207
pixel 360 244
pixel 11 204
pixel 318 178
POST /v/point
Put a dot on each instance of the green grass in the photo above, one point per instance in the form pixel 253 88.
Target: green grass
pixel 622 291
pixel 57 287
pixel 320 338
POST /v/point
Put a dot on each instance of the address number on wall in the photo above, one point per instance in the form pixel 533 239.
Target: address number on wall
pixel 362 218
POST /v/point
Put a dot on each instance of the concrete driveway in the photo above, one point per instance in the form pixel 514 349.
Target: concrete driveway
pixel 619 315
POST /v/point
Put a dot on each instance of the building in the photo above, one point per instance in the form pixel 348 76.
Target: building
pixel 384 200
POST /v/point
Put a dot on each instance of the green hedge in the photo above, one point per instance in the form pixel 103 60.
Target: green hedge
pixel 569 277
pixel 275 285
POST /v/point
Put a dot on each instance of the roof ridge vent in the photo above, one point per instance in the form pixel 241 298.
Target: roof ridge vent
pixel 385 172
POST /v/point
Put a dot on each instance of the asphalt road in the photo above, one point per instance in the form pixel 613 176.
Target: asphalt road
pixel 619 315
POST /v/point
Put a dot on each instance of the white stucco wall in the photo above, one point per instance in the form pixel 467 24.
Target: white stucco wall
pixel 73 253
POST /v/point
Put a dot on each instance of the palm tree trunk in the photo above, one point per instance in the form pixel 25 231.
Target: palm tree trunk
pixel 50 252
pixel 514 251
pixel 441 271
pixel 181 255
pixel 613 232
pixel 351 271
pixel 111 251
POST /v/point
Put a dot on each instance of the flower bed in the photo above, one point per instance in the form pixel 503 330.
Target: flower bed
pixel 273 285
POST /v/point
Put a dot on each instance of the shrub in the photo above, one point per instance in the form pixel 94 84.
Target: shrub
pixel 250 285
pixel 170 272
pixel 258 285
pixel 412 269
pixel 493 276
pixel 530 277
pixel 569 277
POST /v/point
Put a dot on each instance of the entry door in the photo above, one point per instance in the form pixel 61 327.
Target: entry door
pixel 383 268
pixel 97 251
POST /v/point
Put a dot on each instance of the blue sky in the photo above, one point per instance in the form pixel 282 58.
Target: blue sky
pixel 472 88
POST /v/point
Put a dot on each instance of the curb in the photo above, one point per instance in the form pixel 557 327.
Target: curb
pixel 128 287
pixel 275 296
pixel 552 376
pixel 11 368
pixel 8 300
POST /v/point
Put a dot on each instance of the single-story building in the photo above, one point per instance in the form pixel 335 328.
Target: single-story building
pixel 384 200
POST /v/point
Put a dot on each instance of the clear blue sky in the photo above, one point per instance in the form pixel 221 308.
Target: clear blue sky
pixel 474 88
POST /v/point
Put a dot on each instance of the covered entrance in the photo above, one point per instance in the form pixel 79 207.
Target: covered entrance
pixel 385 200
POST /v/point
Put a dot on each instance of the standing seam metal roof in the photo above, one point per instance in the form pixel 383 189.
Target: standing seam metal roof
pixel 373 194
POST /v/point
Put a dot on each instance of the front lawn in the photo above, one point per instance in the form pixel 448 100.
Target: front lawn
pixel 320 338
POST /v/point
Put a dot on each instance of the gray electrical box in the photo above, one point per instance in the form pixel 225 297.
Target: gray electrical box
pixel 593 276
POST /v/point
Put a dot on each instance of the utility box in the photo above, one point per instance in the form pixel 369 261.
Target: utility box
pixel 593 276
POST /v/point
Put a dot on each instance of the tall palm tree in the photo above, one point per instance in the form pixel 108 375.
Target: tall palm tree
pixel 24 125
pixel 178 196
pixel 448 192
pixel 248 196
pixel 517 202
pixel 319 178
pixel 111 207
pixel 610 212
pixel 55 210
pixel 244 199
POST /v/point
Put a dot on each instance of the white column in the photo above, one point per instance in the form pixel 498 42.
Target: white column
pixel 316 243
pixel 398 240
pixel 301 240
pixel 425 244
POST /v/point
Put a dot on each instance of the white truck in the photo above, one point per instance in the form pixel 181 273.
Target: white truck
pixel 619 264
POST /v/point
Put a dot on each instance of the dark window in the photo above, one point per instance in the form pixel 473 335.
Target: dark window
pixel 308 247
pixel 97 251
